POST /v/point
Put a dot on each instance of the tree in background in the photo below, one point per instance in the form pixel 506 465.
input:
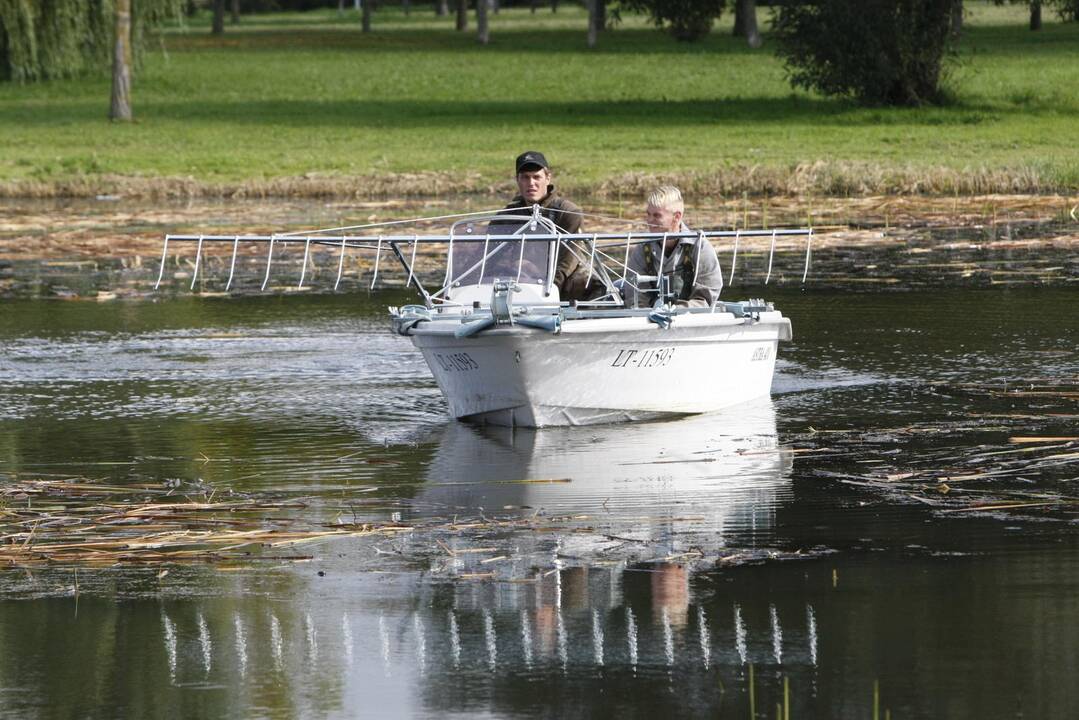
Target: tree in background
pixel 217 27
pixel 120 108
pixel 47 39
pixel 593 22
pixel 1067 9
pixel 1035 14
pixel 1035 10
pixel 462 15
pixel 687 19
pixel 879 52
pixel 482 33
pixel 745 22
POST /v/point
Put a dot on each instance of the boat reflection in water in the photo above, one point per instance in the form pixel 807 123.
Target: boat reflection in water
pixel 555 583
pixel 643 492
pixel 612 522
pixel 579 597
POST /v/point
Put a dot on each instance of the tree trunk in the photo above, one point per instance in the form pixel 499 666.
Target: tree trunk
pixel 957 17
pixel 554 6
pixel 1035 14
pixel 462 15
pixel 481 22
pixel 442 8
pixel 592 6
pixel 121 64
pixel 236 11
pixel 748 10
pixel 365 22
pixel 739 19
pixel 533 4
pixel 340 8
pixel 218 27
pixel 495 6
pixel 407 5
pixel 601 15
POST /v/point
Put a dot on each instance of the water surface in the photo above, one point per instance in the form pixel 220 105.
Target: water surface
pixel 717 565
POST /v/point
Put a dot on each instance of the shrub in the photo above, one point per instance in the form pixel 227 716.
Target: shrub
pixel 688 20
pixel 879 52
pixel 1068 9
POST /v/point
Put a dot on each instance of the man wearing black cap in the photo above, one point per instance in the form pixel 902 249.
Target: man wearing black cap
pixel 535 188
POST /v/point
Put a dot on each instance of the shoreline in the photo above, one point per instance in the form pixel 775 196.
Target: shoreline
pixel 835 179
pixel 106 249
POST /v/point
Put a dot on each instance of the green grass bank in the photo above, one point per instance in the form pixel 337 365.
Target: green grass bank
pixel 307 105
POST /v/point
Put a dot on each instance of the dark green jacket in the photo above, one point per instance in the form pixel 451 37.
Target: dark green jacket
pixel 571 271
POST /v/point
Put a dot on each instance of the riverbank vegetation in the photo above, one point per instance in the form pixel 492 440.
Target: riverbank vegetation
pixel 305 104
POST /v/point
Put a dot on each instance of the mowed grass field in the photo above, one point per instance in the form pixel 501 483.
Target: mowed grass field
pixel 309 101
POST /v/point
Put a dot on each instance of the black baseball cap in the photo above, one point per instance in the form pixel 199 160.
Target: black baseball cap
pixel 531 157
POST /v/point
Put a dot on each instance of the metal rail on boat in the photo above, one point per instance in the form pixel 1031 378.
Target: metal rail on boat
pixel 405 246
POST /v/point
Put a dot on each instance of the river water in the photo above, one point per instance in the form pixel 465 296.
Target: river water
pixel 858 546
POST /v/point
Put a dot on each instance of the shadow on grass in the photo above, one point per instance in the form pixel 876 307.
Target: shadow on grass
pixel 511 40
pixel 479 115
pixel 1053 39
pixel 552 36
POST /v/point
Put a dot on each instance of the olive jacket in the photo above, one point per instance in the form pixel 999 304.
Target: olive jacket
pixel 571 270
pixel 692 267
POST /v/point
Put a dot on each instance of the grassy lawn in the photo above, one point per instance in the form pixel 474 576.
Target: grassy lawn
pixel 311 103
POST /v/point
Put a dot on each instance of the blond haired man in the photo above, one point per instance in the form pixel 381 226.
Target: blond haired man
pixel 690 264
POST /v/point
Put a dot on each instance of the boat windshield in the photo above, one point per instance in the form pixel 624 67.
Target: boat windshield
pixel 477 260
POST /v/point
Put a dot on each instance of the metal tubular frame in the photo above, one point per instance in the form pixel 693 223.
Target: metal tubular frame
pixel 546 232
pixel 734 256
pixel 483 260
pixel 719 267
pixel 603 239
pixel 340 265
pixel 232 264
pixel 303 270
pixel 771 254
pixel 412 263
pixel 378 254
pixel 809 244
pixel 164 257
pixel 269 261
pixel 198 260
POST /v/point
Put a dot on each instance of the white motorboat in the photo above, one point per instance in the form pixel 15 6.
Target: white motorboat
pixel 596 368
pixel 504 349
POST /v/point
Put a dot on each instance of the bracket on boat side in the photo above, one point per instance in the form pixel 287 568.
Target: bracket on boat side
pixel 504 313
pixel 408 317
pixel 745 308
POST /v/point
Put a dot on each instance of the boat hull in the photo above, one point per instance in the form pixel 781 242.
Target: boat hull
pixel 603 370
